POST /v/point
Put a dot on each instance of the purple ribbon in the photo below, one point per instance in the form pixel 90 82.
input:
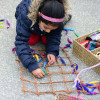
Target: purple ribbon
pixel 2 20
pixel 77 79
pixel 8 24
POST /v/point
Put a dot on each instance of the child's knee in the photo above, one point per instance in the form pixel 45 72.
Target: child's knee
pixel 44 41
pixel 33 39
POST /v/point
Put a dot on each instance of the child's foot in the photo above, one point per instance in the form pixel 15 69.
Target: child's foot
pixel 69 18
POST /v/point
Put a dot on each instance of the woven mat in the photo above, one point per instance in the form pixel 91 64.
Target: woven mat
pixel 66 97
pixel 32 85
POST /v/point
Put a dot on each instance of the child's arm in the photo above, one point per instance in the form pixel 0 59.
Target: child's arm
pixel 53 41
pixel 21 42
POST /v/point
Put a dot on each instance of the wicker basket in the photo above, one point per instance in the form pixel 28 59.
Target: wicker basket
pixel 88 57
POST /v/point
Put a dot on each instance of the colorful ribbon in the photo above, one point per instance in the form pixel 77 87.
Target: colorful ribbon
pixel 77 79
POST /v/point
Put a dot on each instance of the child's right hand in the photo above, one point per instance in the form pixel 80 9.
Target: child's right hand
pixel 38 73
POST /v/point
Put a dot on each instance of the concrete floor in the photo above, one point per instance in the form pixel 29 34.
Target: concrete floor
pixel 86 19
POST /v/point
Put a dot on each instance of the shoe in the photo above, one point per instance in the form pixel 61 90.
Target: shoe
pixel 66 21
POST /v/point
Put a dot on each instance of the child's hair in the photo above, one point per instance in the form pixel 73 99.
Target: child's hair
pixel 52 9
pixel 36 4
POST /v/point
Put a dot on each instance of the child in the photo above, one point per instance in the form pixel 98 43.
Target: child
pixel 35 19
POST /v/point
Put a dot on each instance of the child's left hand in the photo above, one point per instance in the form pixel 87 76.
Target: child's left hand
pixel 51 59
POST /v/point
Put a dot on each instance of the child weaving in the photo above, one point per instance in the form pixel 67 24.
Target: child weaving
pixel 39 19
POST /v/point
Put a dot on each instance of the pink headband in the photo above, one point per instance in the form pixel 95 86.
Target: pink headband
pixel 51 19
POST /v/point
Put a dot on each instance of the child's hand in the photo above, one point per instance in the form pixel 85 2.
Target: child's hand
pixel 38 73
pixel 51 59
